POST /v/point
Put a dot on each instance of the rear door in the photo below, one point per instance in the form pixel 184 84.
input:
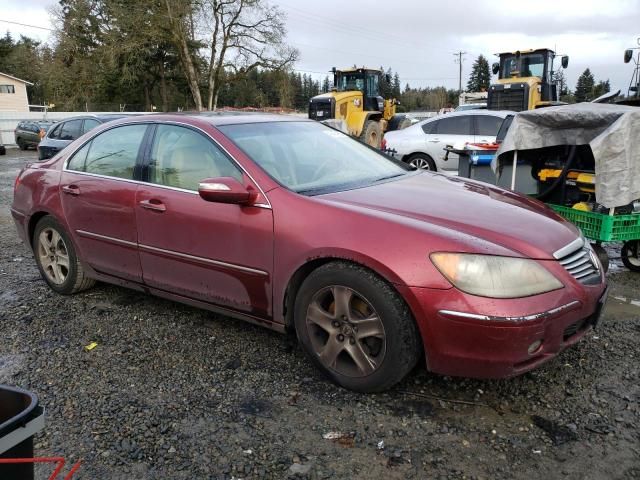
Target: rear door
pixel 98 192
pixel 214 252
pixel 486 128
pixel 449 131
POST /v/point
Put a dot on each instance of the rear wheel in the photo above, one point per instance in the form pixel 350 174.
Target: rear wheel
pixel 356 328
pixel 372 134
pixel 57 260
pixel 422 161
pixel 631 255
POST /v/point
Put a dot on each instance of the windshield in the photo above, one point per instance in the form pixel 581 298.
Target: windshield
pixel 311 158
pixel 350 81
pixel 531 65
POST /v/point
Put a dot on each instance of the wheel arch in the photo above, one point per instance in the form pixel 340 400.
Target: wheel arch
pixel 33 221
pixel 305 269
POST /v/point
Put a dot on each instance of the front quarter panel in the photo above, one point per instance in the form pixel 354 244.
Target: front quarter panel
pixel 308 229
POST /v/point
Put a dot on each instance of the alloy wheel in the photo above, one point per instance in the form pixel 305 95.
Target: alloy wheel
pixel 345 331
pixel 420 163
pixel 53 256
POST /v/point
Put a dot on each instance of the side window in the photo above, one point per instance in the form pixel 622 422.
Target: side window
pixel 71 130
pixel 488 125
pixel 112 153
pixel 461 125
pixel 429 127
pixel 181 158
pixel 89 124
pixel 55 133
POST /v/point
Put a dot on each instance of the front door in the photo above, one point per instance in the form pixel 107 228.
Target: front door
pixel 452 131
pixel 214 252
pixel 98 197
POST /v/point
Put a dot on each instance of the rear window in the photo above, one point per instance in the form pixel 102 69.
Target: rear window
pixel 71 130
pixel 112 153
pixel 488 125
pixel 461 125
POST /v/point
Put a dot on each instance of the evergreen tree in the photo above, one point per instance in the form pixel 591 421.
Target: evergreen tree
pixel 396 86
pixel 480 77
pixel 325 84
pixel 601 88
pixel 584 87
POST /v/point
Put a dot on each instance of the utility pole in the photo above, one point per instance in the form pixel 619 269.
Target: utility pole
pixel 459 61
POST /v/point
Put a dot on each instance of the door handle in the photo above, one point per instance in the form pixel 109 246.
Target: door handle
pixel 155 205
pixel 434 140
pixel 71 189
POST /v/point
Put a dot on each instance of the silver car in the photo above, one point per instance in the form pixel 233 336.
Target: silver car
pixel 69 129
pixel 423 144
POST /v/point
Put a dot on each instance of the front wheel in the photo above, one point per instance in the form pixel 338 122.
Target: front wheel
pixel 21 144
pixel 631 255
pixel 356 328
pixel 57 260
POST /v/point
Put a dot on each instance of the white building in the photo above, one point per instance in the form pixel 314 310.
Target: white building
pixel 13 94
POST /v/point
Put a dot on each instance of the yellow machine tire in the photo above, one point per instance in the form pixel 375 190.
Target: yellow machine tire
pixel 372 133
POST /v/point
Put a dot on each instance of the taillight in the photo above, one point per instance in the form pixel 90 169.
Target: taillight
pixel 383 144
pixel 17 182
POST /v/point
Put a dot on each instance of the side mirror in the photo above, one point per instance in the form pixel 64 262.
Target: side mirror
pixel 628 55
pixel 565 61
pixel 496 68
pixel 225 190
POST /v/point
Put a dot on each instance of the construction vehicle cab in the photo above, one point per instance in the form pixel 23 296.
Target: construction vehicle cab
pixel 356 105
pixel 525 81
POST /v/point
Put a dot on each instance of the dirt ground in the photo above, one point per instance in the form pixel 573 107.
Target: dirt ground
pixel 172 392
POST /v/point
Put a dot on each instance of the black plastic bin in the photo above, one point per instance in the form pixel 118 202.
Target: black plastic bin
pixel 20 419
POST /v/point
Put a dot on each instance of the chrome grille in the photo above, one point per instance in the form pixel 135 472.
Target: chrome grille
pixel 580 263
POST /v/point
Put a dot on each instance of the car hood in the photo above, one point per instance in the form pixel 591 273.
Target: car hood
pixel 474 209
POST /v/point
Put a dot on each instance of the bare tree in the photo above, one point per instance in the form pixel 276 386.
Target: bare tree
pixel 180 15
pixel 232 35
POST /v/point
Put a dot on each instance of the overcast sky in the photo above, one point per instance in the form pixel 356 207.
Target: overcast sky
pixel 418 38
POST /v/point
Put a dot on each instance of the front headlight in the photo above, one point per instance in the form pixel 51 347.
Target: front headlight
pixel 493 276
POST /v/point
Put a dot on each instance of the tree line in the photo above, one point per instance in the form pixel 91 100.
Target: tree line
pixel 168 55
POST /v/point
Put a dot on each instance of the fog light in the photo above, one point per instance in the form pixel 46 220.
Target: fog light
pixel 534 347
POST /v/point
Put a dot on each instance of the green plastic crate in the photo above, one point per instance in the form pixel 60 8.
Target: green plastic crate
pixel 601 226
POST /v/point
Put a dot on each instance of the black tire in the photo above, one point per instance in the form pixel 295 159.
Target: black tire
pixel 630 254
pixel 3 150
pixel 421 161
pixel 75 280
pixel 372 134
pixel 21 144
pixel 393 355
pixel 602 256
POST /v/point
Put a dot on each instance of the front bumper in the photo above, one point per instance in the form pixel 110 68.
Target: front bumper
pixel 471 336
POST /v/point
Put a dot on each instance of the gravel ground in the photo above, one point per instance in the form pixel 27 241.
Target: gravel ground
pixel 175 392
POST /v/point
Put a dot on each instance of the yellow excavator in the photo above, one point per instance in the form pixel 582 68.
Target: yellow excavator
pixel 525 81
pixel 355 106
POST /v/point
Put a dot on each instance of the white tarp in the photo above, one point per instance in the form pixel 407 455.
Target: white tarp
pixel 612 131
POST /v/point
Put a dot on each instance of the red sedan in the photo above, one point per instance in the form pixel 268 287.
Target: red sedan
pixel 295 226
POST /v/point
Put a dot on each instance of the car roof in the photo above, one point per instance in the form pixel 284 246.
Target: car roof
pixel 106 117
pixel 475 111
pixel 226 118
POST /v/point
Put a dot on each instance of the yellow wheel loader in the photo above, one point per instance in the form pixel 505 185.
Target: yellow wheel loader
pixel 355 106
pixel 525 81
